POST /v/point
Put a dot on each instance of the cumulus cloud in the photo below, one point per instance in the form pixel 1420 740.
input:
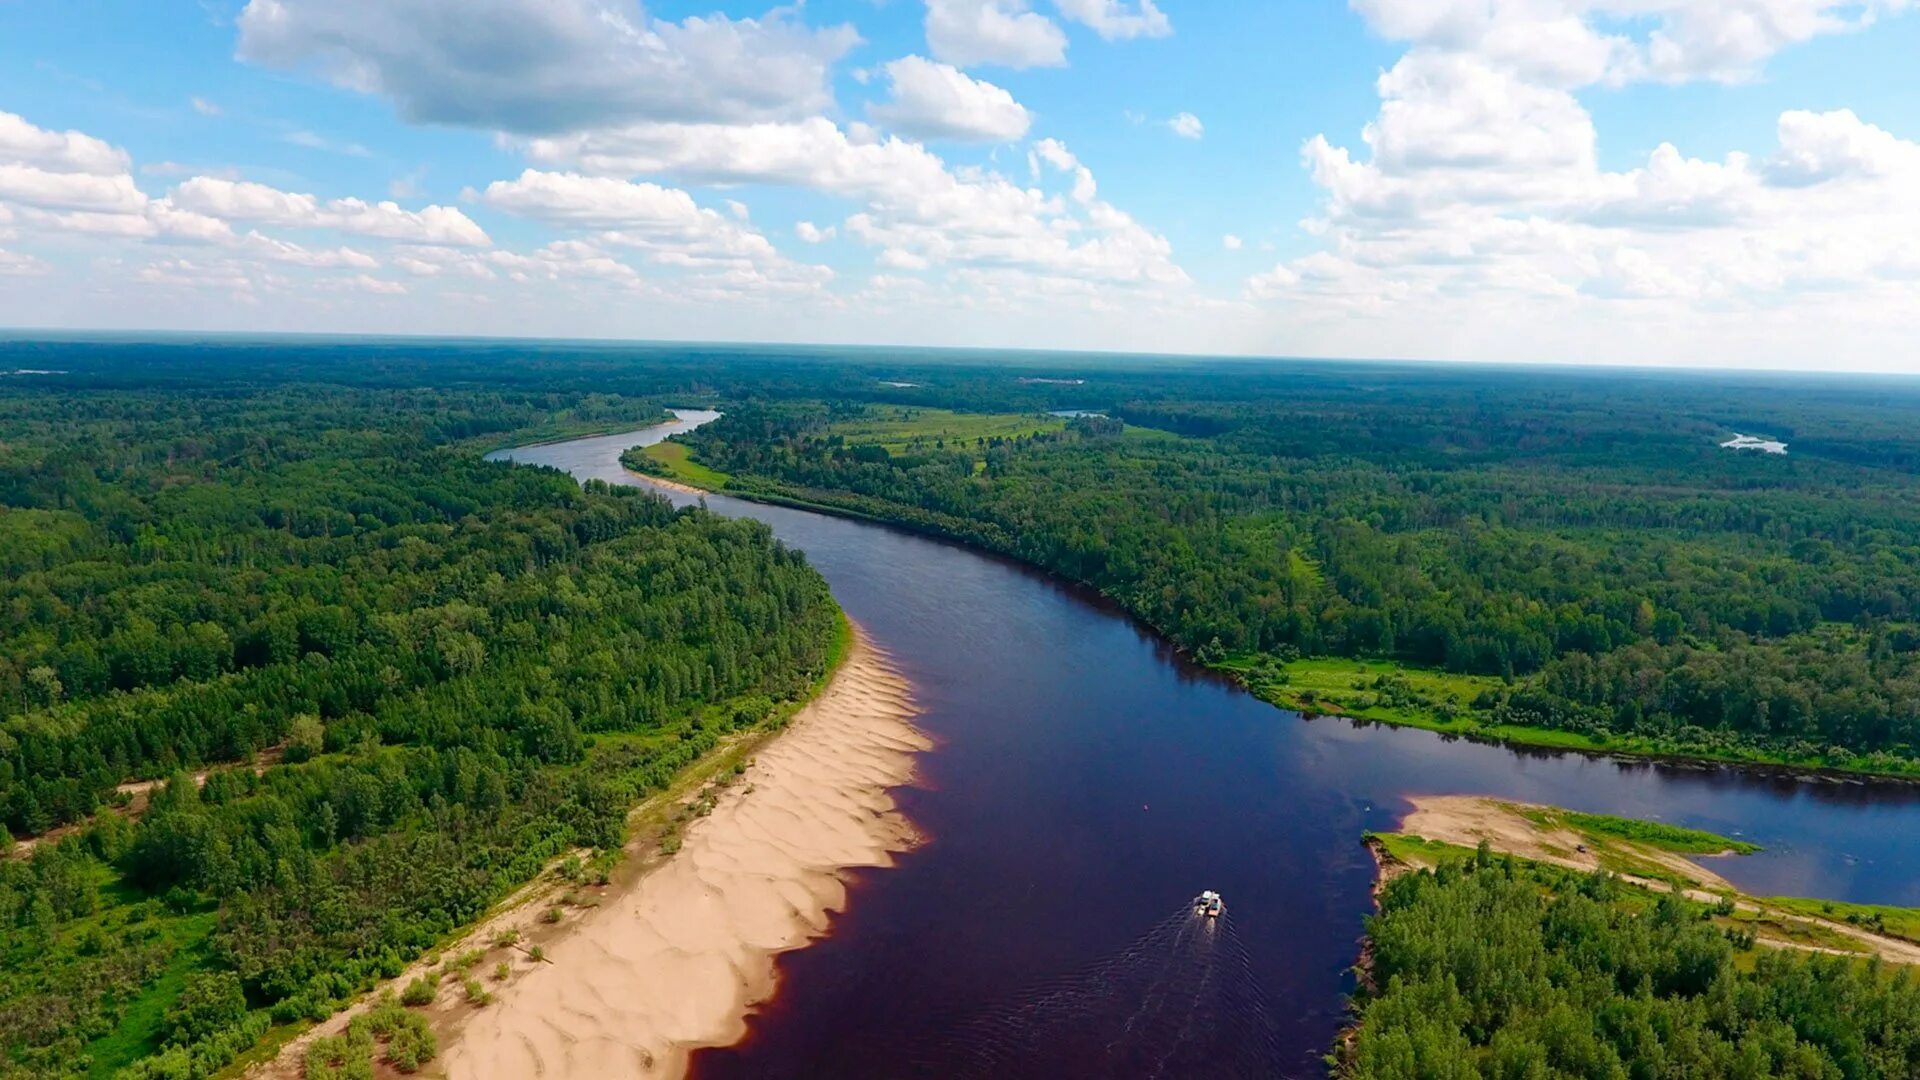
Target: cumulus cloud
pixel 242 200
pixel 638 214
pixel 718 254
pixel 915 207
pixel 969 33
pixel 21 143
pixel 1480 181
pixel 546 66
pixel 938 101
pixel 813 234
pixel 1580 42
pixel 1187 126
pixel 1231 242
pixel 1117 20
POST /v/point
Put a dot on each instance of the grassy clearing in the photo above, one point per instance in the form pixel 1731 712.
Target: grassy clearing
pixel 136 1034
pixel 1383 690
pixel 1394 693
pixel 1675 838
pixel 1903 923
pixel 1418 851
pixel 675 462
pixel 905 429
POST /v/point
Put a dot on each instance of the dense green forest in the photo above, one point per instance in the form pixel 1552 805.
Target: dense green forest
pixel 1492 967
pixel 1588 544
pixel 382 683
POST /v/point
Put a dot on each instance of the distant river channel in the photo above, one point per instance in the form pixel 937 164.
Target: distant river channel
pixel 1087 781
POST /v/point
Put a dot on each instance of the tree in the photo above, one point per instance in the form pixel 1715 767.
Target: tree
pixel 210 1002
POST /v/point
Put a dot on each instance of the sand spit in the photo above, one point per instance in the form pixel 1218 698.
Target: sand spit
pixel 671 485
pixel 1468 819
pixel 678 960
pixel 1465 820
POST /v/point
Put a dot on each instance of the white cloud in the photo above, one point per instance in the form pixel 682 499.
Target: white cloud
pixel 15 264
pixel 642 215
pixel 94 193
pixel 547 66
pixel 913 204
pixel 970 33
pixel 1580 42
pixel 1116 20
pixel 1187 126
pixel 715 255
pixel 204 107
pixel 1231 242
pixel 22 143
pixel 240 200
pixel 1818 147
pixel 811 233
pixel 938 101
pixel 1479 195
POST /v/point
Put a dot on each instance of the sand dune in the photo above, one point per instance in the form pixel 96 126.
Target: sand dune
pixel 676 962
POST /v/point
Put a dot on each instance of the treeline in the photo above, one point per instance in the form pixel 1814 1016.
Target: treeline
pixel 1624 578
pixel 1488 968
pixel 388 682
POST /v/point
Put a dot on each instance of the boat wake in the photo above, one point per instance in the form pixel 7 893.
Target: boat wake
pixel 1180 1000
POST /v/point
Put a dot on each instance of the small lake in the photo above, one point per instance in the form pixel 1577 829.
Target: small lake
pixel 1087 781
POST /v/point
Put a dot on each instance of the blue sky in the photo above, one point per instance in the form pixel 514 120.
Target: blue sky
pixel 1611 181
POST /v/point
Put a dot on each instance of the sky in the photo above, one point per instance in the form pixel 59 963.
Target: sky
pixel 1724 183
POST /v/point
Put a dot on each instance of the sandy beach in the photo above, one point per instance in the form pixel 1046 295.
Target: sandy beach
pixel 678 960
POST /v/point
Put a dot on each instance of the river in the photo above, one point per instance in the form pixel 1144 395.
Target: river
pixel 1087 781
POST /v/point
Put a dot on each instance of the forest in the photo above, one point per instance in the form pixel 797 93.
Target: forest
pixel 293 685
pixel 1585 543
pixel 1496 967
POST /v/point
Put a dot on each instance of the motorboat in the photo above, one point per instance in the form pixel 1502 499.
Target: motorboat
pixel 1209 904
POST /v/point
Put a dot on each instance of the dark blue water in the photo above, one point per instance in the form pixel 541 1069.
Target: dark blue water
pixel 1086 782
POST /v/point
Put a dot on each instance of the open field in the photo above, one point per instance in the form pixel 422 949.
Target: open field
pixel 675 462
pixel 905 429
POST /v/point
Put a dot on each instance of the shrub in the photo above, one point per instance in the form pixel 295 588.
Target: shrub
pixel 418 992
pixel 209 1002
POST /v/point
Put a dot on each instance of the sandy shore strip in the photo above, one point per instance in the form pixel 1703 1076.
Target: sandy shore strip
pixel 678 960
pixel 671 485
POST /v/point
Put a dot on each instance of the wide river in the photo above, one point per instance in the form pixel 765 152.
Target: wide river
pixel 1087 782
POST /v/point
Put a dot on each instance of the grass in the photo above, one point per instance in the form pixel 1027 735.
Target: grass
pixel 1655 834
pixel 1414 697
pixel 906 429
pixel 1417 850
pixel 137 1033
pixel 1440 701
pixel 676 461
pixel 1903 923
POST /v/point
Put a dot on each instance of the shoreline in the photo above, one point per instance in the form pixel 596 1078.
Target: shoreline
pixel 675 960
pixel 1544 740
pixel 1445 826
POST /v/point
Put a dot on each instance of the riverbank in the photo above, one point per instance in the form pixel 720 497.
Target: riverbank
pixel 676 960
pixel 1311 704
pixel 1651 858
pixel 1441 701
pixel 1497 949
